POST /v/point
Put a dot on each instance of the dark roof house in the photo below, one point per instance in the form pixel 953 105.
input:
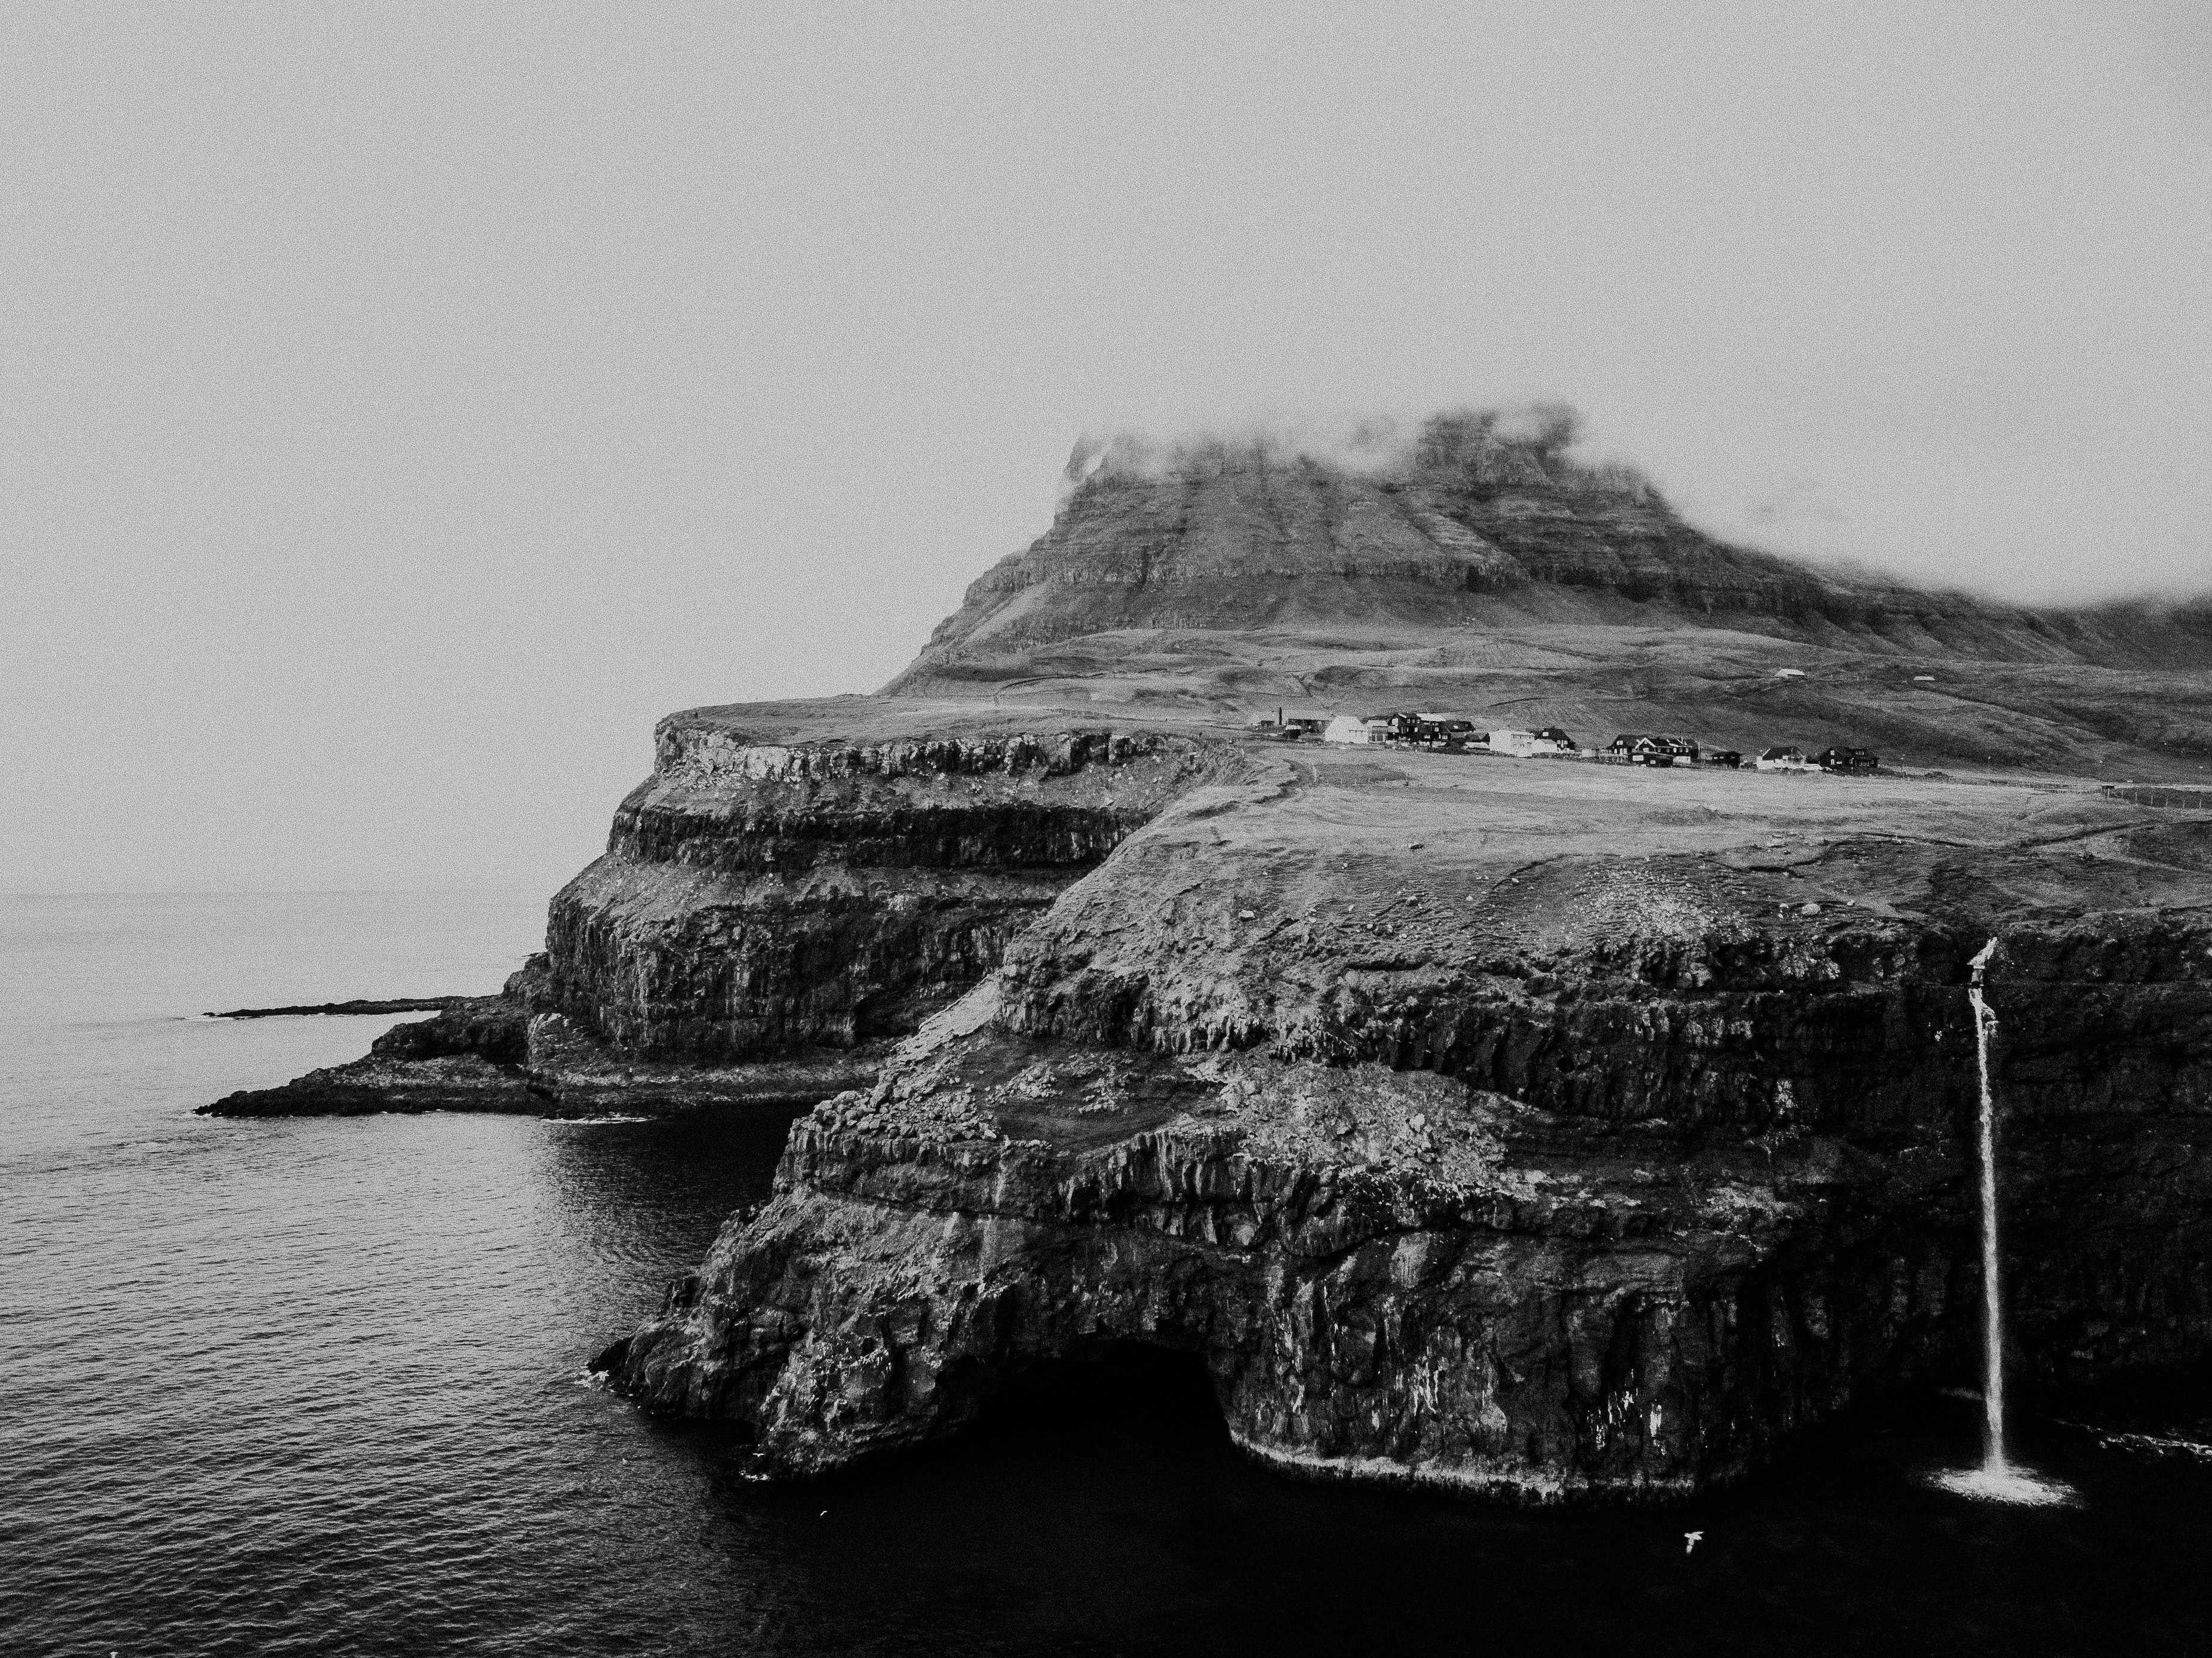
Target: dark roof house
pixel 1641 749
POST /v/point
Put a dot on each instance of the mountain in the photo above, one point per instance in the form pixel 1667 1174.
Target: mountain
pixel 1481 572
pixel 1543 1127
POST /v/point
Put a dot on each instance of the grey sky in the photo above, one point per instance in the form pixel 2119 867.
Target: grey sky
pixel 405 405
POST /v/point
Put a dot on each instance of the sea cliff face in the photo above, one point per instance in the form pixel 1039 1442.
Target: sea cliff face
pixel 1538 1126
pixel 757 898
pixel 770 915
pixel 1597 1182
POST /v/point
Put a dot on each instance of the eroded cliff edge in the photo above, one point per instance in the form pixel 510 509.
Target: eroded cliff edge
pixel 1527 1129
pixel 779 901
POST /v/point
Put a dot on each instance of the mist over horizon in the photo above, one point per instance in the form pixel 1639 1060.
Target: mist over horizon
pixel 408 409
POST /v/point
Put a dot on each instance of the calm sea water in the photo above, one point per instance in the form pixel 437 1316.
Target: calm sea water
pixel 309 1387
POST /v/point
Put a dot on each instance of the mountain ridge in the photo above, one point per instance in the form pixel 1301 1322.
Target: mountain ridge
pixel 1466 527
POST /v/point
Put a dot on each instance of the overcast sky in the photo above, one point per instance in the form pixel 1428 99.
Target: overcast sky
pixel 405 405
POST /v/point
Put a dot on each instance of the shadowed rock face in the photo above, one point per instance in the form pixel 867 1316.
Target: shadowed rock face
pixel 1572 1176
pixel 757 898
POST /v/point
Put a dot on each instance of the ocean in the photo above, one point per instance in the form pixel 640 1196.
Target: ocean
pixel 318 1387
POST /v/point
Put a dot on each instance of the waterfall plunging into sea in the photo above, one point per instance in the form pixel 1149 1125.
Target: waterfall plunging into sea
pixel 1992 1280
pixel 1996 1479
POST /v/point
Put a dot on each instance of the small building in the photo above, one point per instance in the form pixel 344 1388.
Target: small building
pixel 1641 749
pixel 1443 731
pixel 1783 759
pixel 1285 726
pixel 1728 758
pixel 1347 728
pixel 1840 759
pixel 1789 673
pixel 1530 744
pixel 1681 748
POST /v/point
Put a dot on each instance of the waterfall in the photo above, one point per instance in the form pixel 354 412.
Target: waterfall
pixel 1993 1459
pixel 1996 1479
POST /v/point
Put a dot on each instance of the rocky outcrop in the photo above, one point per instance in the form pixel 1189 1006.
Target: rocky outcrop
pixel 1589 1177
pixel 769 917
pixel 757 898
pixel 513 1053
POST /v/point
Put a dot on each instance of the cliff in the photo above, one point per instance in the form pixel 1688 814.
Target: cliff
pixel 774 906
pixel 1535 1126
pixel 1527 1130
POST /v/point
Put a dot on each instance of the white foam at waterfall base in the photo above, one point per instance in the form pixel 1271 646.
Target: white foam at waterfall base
pixel 2000 1483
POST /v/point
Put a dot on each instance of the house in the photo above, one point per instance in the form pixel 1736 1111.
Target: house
pixel 1424 730
pixel 1848 760
pixel 1789 673
pixel 1722 757
pixel 1443 731
pixel 1638 748
pixel 1289 727
pixel 1783 759
pixel 1550 740
pixel 1347 728
pixel 1681 748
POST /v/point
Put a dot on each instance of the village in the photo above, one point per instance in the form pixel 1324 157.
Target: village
pixel 1450 734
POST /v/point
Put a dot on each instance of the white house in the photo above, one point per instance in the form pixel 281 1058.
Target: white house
pixel 1783 759
pixel 1789 673
pixel 1348 728
pixel 1530 744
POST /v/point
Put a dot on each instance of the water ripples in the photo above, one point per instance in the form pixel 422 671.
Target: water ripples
pixel 317 1387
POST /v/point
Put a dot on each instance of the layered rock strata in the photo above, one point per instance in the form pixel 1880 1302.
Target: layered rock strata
pixel 1521 1165
pixel 512 1054
pixel 759 897
pixel 769 916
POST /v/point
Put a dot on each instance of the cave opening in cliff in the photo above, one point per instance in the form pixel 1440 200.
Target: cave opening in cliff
pixel 1123 1391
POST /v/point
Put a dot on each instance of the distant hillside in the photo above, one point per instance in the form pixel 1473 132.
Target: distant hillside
pixel 1480 569
pixel 1470 524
